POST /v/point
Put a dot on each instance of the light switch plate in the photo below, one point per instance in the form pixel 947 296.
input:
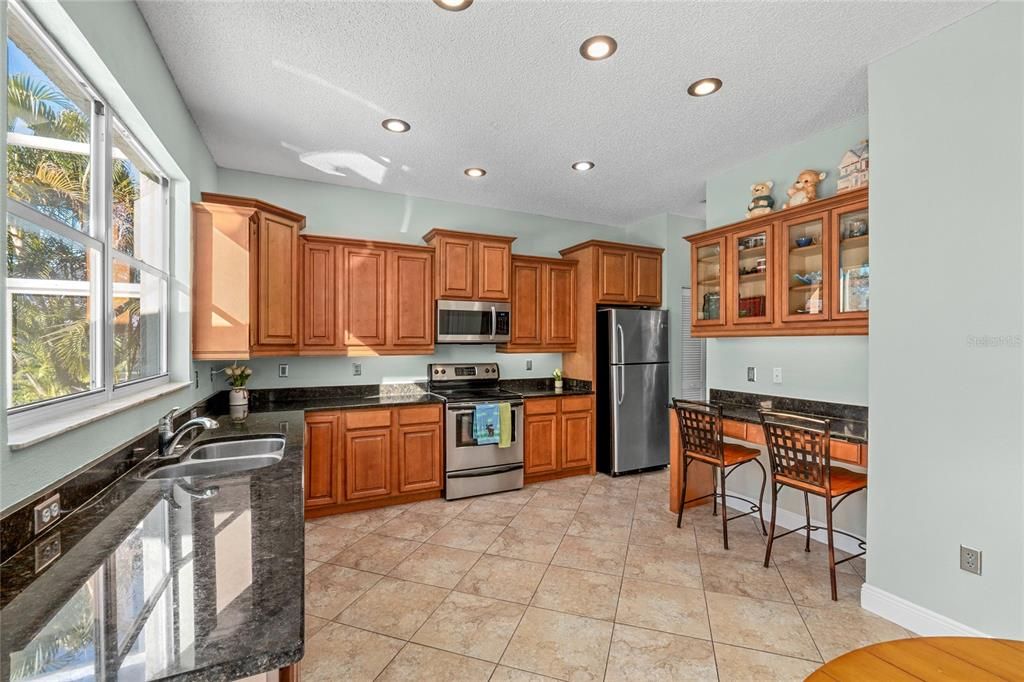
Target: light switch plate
pixel 282 370
pixel 777 375
pixel 751 373
pixel 529 365
pixel 357 369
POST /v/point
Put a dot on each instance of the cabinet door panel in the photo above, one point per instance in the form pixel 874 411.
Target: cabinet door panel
pixel 577 439
pixel 365 297
pixel 367 463
pixel 322 461
pixel 751 276
pixel 526 303
pixel 646 278
pixel 541 443
pixel 455 277
pixel 849 262
pixel 613 276
pixel 320 294
pixel 221 266
pixel 277 282
pixel 559 304
pixel 707 280
pixel 419 458
pixel 804 274
pixel 493 277
pixel 410 309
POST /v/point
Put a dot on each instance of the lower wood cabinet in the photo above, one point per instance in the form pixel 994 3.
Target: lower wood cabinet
pixel 558 437
pixel 362 458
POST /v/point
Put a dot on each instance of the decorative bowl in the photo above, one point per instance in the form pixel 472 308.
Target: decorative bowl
pixel 804 241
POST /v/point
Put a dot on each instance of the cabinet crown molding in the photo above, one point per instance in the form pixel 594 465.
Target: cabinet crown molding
pixel 257 204
pixel 613 245
pixel 444 232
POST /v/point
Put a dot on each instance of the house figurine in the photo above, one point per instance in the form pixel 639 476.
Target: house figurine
pixel 853 168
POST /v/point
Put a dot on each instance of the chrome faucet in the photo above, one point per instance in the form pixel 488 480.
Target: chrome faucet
pixel 169 438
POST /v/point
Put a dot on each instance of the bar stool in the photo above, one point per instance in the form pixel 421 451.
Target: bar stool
pixel 798 449
pixel 700 430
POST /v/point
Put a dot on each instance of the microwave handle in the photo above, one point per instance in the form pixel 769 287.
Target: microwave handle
pixel 494 321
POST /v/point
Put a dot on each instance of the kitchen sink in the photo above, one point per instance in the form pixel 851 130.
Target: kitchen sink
pixel 223 458
pixel 229 449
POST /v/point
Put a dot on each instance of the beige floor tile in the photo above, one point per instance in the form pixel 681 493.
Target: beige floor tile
pixel 583 593
pixel 727 575
pixel 525 544
pixel 608 506
pixel 393 607
pixel 487 510
pixel 599 527
pixel 323 542
pixel 436 565
pixel 662 534
pixel 329 589
pixel 543 519
pixel 663 565
pixel 790 549
pixel 470 625
pixel 313 625
pixel 577 484
pixel 441 507
pixel 745 542
pixel 639 654
pixel 810 585
pixel 416 662
pixel 551 499
pixel 521 496
pixel 413 526
pixel 363 521
pixel 656 510
pixel 591 555
pixel 466 535
pixel 560 645
pixel 309 565
pixel 757 624
pixel 736 664
pixel 502 578
pixel 837 630
pixel 505 674
pixel 668 608
pixel 339 652
pixel 375 553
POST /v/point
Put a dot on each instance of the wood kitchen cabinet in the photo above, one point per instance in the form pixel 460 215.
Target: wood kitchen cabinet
pixel 370 457
pixel 364 293
pixel 614 273
pixel 620 274
pixel 802 271
pixel 472 266
pixel 410 303
pixel 543 305
pixel 558 437
pixel 246 283
pixel 321 296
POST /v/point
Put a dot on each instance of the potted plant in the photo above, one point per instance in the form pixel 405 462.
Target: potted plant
pixel 558 379
pixel 238 398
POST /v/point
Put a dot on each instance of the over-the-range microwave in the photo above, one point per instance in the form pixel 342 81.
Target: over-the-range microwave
pixel 473 322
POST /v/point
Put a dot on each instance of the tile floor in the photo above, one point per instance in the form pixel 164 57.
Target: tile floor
pixel 577 579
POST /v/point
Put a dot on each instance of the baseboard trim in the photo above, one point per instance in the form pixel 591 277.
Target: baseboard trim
pixel 790 520
pixel 911 616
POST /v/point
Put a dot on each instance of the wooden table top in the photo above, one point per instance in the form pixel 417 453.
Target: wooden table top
pixel 971 659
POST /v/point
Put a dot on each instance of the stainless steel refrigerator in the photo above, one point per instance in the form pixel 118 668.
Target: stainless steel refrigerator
pixel 632 389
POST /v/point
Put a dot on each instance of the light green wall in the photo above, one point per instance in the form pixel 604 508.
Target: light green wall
pixel 947 460
pixel 111 44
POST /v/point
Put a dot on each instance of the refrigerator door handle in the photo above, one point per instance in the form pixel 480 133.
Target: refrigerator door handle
pixel 622 344
pixel 620 391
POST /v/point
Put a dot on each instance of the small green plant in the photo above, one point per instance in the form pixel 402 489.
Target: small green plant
pixel 237 377
pixel 557 374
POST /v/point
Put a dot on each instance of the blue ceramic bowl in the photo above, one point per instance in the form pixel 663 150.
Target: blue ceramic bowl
pixel 804 241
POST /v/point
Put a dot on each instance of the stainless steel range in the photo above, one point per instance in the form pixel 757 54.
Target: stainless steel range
pixel 472 468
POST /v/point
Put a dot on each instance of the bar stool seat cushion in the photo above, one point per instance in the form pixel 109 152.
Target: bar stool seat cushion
pixel 734 454
pixel 842 481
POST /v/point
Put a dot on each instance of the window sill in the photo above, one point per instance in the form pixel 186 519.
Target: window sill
pixel 32 434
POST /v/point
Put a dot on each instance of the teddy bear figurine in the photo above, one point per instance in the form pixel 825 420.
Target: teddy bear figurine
pixel 805 188
pixel 762 202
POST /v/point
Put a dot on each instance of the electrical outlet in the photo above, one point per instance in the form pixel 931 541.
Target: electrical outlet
pixel 529 365
pixel 751 373
pixel 47 551
pixel 777 375
pixel 357 369
pixel 282 370
pixel 970 560
pixel 46 513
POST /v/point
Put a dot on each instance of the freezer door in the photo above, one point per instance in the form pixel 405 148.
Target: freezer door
pixel 639 415
pixel 637 336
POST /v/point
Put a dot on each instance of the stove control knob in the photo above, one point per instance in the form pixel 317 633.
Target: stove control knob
pixel 443 371
pixel 437 371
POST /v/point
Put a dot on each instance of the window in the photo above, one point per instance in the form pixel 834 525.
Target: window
pixel 87 238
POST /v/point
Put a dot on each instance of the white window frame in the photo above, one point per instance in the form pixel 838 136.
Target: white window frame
pixel 99 239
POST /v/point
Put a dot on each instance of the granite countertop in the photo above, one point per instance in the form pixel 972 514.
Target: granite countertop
pixel 552 393
pixel 196 578
pixel 345 403
pixel 848 422
pixel 545 388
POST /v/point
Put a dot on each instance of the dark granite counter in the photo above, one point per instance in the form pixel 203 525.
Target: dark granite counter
pixel 545 388
pixel 198 579
pixel 848 422
pixel 341 397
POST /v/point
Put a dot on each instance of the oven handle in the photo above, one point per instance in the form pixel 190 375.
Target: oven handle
pixel 476 473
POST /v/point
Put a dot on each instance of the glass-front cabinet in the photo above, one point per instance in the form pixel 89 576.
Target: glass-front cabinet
pixel 804 264
pixel 751 278
pixel 708 267
pixel 850 236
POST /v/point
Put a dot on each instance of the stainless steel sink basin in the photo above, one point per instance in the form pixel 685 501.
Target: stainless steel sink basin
pixel 229 449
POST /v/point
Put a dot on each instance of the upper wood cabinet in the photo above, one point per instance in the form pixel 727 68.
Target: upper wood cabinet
pixel 245 278
pixel 364 295
pixel 472 266
pixel 321 295
pixel 543 305
pixel 614 274
pixel 410 303
pixel 622 274
pixel 645 271
pixel 800 271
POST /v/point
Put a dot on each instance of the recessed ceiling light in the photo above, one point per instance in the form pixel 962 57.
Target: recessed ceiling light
pixel 395 125
pixel 583 165
pixel 598 47
pixel 475 172
pixel 705 86
pixel 453 5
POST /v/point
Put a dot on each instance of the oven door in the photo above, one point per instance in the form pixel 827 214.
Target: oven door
pixel 473 322
pixel 462 452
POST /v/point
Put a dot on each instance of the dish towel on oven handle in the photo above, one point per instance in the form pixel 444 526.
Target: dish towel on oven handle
pixel 486 424
pixel 505 425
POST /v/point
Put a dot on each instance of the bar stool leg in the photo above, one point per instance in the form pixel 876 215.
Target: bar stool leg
pixel 771 528
pixel 807 514
pixel 685 463
pixel 714 495
pixel 760 497
pixel 725 511
pixel 831 548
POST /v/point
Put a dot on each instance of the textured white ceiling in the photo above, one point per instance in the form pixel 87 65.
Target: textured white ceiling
pixel 502 86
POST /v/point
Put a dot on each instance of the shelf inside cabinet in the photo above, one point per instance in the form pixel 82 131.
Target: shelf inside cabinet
pixel 751 276
pixel 854 242
pixel 754 252
pixel 805 287
pixel 709 282
pixel 812 250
